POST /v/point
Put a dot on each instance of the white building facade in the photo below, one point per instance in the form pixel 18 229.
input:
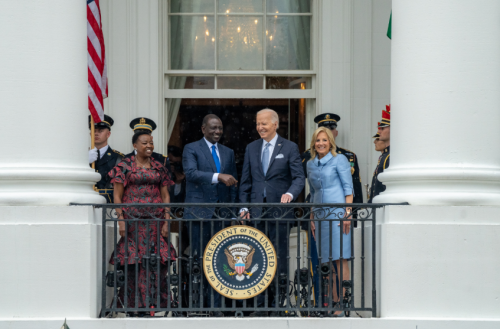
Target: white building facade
pixel 438 260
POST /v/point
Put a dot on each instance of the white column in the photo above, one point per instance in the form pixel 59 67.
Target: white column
pixel 445 95
pixel 43 104
pixel 438 256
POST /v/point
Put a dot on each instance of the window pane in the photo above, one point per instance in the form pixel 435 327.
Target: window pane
pixel 239 82
pixel 288 43
pixel 239 6
pixel 288 6
pixel 191 82
pixel 191 6
pixel 288 83
pixel 192 42
pixel 240 43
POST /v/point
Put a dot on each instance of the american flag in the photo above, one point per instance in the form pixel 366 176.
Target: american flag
pixel 98 78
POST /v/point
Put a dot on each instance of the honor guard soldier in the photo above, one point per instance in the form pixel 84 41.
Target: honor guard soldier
pixel 383 145
pixel 330 121
pixel 149 125
pixel 104 156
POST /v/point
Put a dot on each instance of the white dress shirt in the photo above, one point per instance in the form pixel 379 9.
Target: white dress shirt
pixel 215 177
pixel 103 150
pixel 271 150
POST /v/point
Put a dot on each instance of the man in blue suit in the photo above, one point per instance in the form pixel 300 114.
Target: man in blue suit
pixel 210 178
pixel 272 173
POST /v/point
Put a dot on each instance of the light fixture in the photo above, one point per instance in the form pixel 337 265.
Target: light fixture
pixel 205 18
pixel 213 39
pixel 196 38
pixel 256 21
pixel 239 29
pixel 207 33
pixel 271 38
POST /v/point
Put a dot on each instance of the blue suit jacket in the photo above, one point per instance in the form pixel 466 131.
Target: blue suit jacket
pixel 285 173
pixel 199 167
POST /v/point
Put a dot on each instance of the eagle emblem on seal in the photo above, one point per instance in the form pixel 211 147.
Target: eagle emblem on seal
pixel 239 258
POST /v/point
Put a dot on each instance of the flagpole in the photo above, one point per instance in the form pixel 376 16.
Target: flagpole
pixel 92 141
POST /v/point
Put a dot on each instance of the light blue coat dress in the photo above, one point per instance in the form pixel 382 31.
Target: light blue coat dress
pixel 330 181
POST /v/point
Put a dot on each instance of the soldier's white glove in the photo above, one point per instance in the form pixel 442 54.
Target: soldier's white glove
pixel 93 155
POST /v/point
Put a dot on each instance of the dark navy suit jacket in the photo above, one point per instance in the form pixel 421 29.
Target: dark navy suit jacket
pixel 199 167
pixel 284 174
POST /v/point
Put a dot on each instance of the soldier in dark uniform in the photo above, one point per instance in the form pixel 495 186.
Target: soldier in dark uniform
pixel 104 156
pixel 384 136
pixel 149 125
pixel 330 121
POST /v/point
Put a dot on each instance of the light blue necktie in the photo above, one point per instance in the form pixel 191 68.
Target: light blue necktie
pixel 216 158
pixel 265 158
pixel 265 162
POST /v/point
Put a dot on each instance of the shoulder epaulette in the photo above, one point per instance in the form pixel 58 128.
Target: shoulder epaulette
pixel 346 150
pixel 305 152
pixel 118 152
pixel 385 161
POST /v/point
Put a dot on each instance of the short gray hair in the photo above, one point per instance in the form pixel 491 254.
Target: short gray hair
pixel 274 115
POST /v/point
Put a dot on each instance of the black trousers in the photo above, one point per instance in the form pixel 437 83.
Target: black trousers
pixel 278 233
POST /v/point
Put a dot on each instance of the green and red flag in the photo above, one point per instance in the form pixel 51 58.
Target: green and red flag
pixel 389 28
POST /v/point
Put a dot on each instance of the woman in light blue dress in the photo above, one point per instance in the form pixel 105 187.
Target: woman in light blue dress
pixel 330 181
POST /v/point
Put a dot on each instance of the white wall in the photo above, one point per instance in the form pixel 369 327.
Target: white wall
pixel 132 33
pixel 354 72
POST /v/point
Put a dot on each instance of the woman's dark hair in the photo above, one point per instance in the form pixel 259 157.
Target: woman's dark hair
pixel 138 133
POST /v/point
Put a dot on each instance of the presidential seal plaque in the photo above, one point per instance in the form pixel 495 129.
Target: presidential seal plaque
pixel 239 262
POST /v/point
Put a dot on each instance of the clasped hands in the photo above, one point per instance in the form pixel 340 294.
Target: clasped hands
pixel 164 228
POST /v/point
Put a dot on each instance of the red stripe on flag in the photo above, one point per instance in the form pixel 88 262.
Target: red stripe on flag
pixel 95 26
pixel 98 86
pixel 95 86
pixel 93 111
pixel 95 57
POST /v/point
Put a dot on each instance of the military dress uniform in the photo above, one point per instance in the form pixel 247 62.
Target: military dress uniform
pixel 377 186
pixel 103 165
pixel 105 162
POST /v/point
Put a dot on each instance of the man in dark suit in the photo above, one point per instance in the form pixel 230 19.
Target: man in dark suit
pixel 272 173
pixel 210 178
pixel 104 156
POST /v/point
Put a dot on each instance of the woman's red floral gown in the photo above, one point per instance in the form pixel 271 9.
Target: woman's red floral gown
pixel 142 185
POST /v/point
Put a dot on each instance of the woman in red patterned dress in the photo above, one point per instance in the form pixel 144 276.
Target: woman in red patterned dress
pixel 142 179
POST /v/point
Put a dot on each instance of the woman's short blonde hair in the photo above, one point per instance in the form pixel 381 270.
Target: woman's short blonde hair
pixel 331 139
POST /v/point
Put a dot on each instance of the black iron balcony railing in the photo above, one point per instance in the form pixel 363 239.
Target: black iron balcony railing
pixel 206 260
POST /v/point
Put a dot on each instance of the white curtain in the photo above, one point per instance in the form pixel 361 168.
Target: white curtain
pixel 182 38
pixel 300 34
